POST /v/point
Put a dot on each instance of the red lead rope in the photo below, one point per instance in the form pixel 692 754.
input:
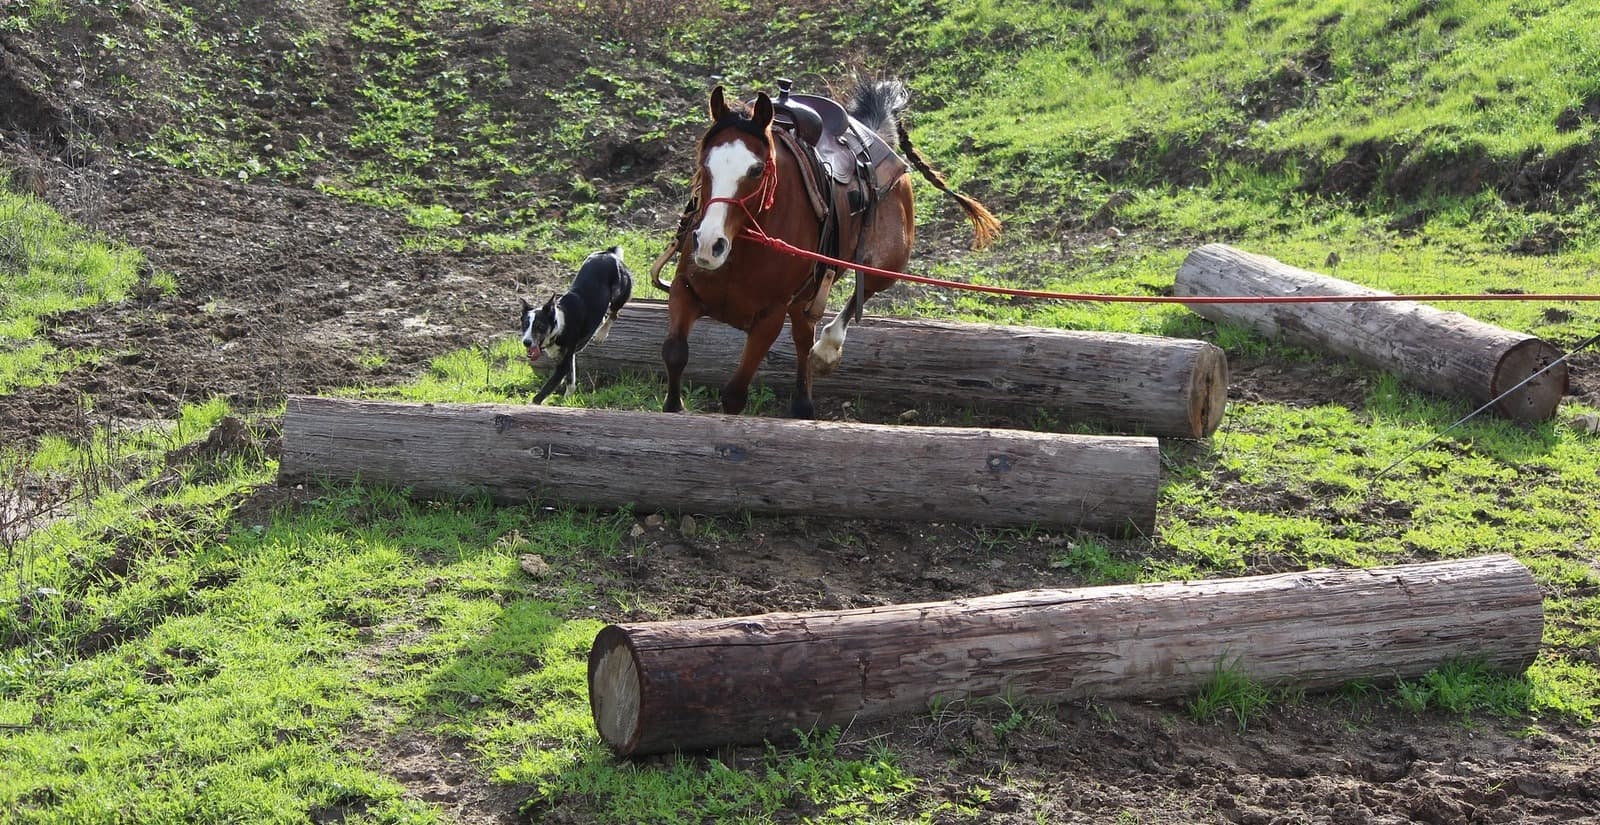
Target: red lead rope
pixel 754 232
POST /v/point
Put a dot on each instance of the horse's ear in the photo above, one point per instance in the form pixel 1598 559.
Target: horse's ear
pixel 762 115
pixel 719 106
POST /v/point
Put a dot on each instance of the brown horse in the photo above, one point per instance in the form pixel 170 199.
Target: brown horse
pixel 742 175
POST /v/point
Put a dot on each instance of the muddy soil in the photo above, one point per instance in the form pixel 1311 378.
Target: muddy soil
pixel 286 290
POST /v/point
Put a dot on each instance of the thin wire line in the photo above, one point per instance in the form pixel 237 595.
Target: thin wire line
pixel 1441 434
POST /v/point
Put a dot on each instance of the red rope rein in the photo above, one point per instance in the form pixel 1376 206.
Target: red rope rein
pixel 754 232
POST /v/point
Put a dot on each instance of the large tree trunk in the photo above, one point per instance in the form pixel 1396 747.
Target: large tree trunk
pixel 1139 384
pixel 718 463
pixel 1442 352
pixel 693 684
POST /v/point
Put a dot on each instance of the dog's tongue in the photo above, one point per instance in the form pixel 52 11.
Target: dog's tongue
pixel 534 352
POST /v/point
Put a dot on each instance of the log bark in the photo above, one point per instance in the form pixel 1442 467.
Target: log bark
pixel 1446 353
pixel 694 684
pixel 1139 384
pixel 722 464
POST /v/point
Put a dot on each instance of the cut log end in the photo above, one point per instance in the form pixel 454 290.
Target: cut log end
pixel 615 690
pixel 1536 400
pixel 1208 391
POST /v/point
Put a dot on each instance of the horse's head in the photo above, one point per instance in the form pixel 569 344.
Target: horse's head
pixel 734 177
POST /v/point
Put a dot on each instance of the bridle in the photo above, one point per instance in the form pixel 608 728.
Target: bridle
pixel 766 189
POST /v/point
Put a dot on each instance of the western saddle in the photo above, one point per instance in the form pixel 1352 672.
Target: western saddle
pixel 847 167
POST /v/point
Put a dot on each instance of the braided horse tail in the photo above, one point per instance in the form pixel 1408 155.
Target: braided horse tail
pixel 878 104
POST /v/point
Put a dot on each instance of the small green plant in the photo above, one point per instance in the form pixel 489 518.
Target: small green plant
pixel 1092 561
pixel 1016 718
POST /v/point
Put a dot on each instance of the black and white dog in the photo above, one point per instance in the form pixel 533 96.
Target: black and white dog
pixel 568 323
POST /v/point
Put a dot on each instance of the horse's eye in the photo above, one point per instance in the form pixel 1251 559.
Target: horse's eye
pixel 755 171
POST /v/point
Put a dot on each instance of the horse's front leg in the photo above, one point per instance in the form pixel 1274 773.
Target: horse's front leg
pixel 803 330
pixel 682 312
pixel 756 344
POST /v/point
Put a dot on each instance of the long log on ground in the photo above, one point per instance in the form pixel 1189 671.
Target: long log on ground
pixel 1441 352
pixel 1140 384
pixel 723 464
pixel 694 684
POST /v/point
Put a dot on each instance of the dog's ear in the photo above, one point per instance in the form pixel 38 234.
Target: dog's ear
pixel 525 306
pixel 551 304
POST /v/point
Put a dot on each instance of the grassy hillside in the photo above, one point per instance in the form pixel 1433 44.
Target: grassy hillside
pixel 180 640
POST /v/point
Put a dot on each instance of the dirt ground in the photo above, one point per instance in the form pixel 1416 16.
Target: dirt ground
pixel 287 290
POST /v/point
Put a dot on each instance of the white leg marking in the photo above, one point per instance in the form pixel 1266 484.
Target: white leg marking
pixel 829 348
pixel 604 330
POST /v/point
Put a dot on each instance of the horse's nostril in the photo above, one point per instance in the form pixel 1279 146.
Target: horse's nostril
pixel 719 247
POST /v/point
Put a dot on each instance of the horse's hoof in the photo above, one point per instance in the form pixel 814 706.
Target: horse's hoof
pixel 802 409
pixel 823 364
pixel 733 402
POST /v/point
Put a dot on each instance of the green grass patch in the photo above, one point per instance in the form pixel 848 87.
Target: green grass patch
pixel 48 267
pixel 1230 694
pixel 1466 687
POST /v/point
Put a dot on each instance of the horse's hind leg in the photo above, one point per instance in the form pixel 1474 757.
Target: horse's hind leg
pixel 829 349
pixel 756 344
pixel 803 330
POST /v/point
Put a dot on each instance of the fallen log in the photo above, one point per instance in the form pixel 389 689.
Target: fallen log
pixel 1140 384
pixel 1446 353
pixel 695 684
pixel 725 464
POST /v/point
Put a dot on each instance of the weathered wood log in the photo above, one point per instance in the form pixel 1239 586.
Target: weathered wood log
pixel 694 684
pixel 1441 352
pixel 1140 384
pixel 722 464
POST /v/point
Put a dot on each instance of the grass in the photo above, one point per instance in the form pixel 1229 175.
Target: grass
pixel 1230 693
pixel 48 267
pixel 195 662
pixel 187 651
pixel 1464 688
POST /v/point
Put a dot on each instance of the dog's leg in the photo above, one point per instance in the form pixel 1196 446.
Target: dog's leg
pixel 604 330
pixel 572 375
pixel 550 384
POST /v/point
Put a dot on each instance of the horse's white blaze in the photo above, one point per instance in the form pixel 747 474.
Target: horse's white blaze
pixel 726 166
